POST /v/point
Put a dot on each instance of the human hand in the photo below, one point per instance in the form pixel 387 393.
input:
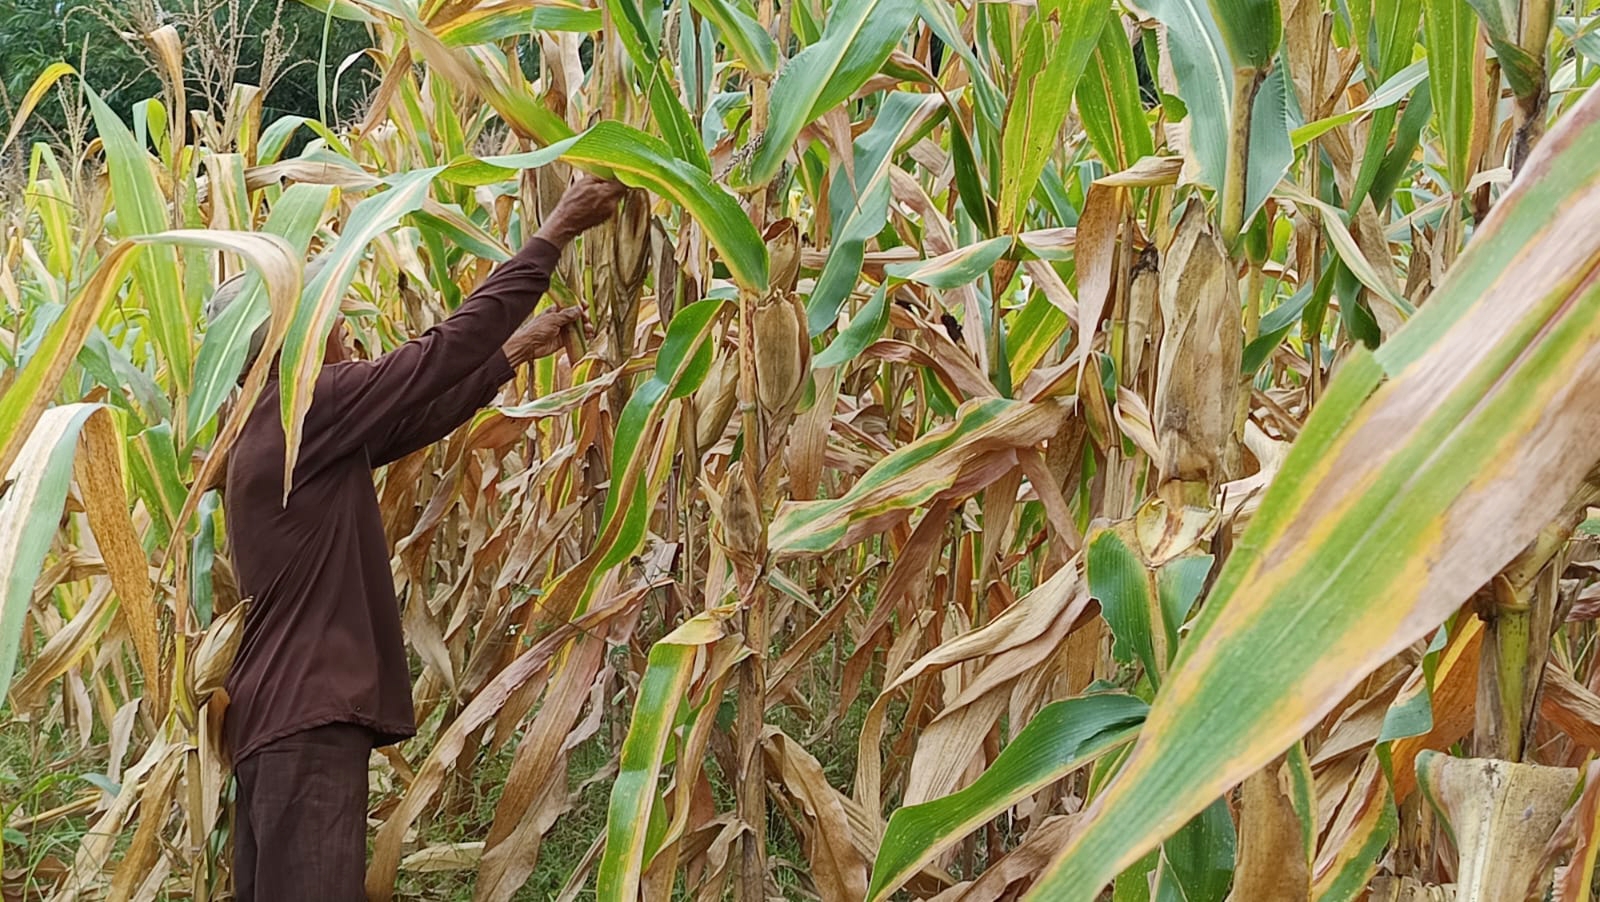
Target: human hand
pixel 587 203
pixel 542 336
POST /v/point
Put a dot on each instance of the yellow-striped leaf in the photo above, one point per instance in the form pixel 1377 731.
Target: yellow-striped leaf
pixel 1423 470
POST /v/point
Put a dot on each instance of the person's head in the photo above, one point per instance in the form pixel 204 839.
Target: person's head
pixel 336 350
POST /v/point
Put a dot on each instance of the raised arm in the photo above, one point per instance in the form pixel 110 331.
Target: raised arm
pixel 541 337
pixel 366 403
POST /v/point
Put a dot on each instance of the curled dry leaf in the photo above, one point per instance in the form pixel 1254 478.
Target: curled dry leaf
pixel 1197 387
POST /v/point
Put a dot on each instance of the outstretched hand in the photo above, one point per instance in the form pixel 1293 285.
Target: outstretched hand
pixel 543 335
pixel 587 203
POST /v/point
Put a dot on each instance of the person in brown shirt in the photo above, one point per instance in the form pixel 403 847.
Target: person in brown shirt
pixel 321 675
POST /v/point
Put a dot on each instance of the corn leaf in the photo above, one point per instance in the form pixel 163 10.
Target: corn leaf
pixel 1205 65
pixel 642 161
pixel 1056 45
pixel 104 490
pixel 294 218
pixel 633 793
pixel 961 456
pixel 1061 738
pixel 29 512
pixel 41 85
pixel 1422 472
pixel 494 22
pixel 864 328
pixel 35 385
pixel 742 32
pixel 962 266
pixel 307 333
pixel 141 209
pixel 859 37
pixel 1452 32
pixel 860 208
pixel 1108 99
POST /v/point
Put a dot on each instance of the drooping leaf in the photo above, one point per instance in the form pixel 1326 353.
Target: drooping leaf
pixel 1429 451
pixel 642 161
pixel 41 86
pixel 859 210
pixel 227 340
pixel 915 474
pixel 29 512
pixel 859 37
pixel 1061 738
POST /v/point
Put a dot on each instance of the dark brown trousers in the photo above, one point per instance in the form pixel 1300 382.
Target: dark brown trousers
pixel 301 812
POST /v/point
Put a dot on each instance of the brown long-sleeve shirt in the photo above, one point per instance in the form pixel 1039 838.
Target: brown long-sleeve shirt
pixel 322 640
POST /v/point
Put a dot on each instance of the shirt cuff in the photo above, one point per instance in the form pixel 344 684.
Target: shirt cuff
pixel 539 253
pixel 499 371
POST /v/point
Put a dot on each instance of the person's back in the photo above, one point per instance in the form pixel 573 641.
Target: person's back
pixel 321 676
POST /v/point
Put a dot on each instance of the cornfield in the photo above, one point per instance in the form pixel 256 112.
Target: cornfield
pixel 1058 450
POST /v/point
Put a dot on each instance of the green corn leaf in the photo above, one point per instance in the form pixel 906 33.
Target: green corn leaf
pixel 1376 826
pixel 141 209
pixel 742 32
pixel 35 386
pixel 643 161
pixel 1423 470
pixel 864 329
pixel 859 37
pixel 157 478
pixel 1452 32
pixel 633 791
pixel 1277 324
pixel 294 218
pixel 961 266
pixel 1388 95
pixel 1128 600
pixel 1108 99
pixel 1061 738
pixel 1205 65
pixel 1179 584
pixel 1033 333
pixel 1504 21
pixel 29 513
pixel 307 335
pixel 969 180
pixel 860 210
pixel 1395 24
pixel 1251 30
pixel 1056 44
pixel 639 26
pixel 1197 862
pixel 941 21
pixel 1582 34
pixel 676 365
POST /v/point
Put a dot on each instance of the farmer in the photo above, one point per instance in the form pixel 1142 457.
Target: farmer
pixel 321 678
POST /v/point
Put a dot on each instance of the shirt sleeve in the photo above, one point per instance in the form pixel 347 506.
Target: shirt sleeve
pixel 449 411
pixel 387 403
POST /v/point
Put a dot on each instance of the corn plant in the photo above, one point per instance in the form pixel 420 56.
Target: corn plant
pixel 1023 450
